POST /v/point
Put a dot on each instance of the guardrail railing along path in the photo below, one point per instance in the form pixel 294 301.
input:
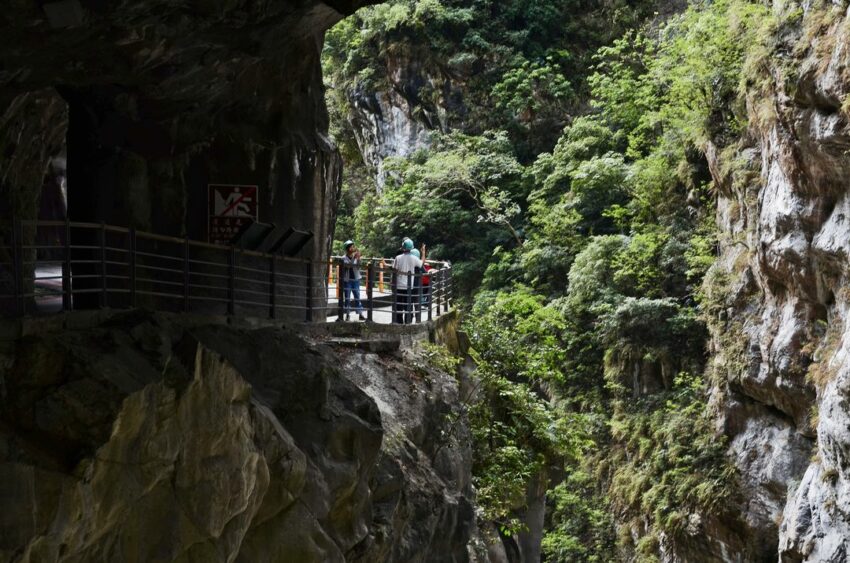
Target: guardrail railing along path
pixel 52 266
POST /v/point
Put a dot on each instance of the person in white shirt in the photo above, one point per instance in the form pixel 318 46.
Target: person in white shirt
pixel 404 266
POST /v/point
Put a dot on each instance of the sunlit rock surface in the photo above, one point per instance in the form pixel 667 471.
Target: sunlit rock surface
pixel 399 119
pixel 780 346
pixel 144 440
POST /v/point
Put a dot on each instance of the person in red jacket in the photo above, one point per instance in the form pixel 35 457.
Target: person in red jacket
pixel 425 279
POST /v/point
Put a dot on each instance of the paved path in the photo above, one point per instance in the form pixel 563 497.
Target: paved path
pixel 382 312
pixel 48 288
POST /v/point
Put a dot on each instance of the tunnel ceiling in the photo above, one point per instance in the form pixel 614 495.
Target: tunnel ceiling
pixel 189 52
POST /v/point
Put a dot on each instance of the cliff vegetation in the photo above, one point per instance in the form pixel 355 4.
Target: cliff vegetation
pixel 577 163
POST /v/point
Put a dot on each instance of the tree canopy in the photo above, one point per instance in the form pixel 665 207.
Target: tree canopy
pixel 574 199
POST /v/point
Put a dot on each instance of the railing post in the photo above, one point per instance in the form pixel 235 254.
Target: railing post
pixel 429 296
pixel 442 294
pixel 17 267
pixel 417 306
pixel 448 291
pixel 408 301
pixel 231 286
pixel 339 291
pixel 186 276
pixel 272 287
pixel 309 315
pixel 370 282
pixel 442 304
pixel 131 259
pixel 66 269
pixel 104 301
pixel 435 292
pixel 394 309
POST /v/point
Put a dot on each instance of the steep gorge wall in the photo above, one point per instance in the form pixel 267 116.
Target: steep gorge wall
pixel 779 323
pixel 153 438
pixel 398 119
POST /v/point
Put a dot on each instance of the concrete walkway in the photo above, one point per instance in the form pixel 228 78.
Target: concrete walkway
pixel 48 288
pixel 382 306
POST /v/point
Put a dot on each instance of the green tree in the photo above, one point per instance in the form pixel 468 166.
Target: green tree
pixel 461 197
pixel 587 331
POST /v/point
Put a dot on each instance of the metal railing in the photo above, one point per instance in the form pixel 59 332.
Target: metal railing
pixel 425 295
pixel 53 266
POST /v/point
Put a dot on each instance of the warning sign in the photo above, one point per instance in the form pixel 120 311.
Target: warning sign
pixel 231 208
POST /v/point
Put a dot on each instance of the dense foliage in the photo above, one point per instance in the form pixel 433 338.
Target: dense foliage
pixel 581 265
pixel 461 196
pixel 518 65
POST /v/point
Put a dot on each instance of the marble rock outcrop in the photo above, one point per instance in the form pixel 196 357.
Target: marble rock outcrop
pixel 143 439
pixel 780 336
pixel 398 120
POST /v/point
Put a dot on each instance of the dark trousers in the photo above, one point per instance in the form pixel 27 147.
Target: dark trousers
pixel 403 301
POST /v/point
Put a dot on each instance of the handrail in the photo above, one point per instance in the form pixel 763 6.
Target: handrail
pixel 67 265
pixel 366 260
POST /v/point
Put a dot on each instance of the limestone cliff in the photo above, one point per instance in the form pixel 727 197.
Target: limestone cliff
pixel 780 333
pixel 150 438
pixel 399 118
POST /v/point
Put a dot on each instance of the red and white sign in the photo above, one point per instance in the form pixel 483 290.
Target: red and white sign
pixel 231 208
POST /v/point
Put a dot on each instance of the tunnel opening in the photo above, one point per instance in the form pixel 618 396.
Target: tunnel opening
pixel 33 130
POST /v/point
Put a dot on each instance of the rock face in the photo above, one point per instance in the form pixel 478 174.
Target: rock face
pixel 780 334
pixel 384 127
pixel 160 99
pixel 143 439
pixel 400 118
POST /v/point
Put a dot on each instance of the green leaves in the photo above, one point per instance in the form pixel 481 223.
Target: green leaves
pixel 532 88
pixel 582 527
pixel 461 197
pixel 685 82
pixel 623 89
pixel 518 431
pixel 671 464
pixel 587 334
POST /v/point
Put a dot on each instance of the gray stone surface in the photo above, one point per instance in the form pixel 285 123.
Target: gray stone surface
pixel 400 119
pixel 780 344
pixel 140 439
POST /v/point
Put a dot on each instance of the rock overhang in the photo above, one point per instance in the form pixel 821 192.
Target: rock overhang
pixel 164 98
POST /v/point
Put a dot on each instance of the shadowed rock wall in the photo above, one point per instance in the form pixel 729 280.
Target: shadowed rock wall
pixel 162 98
pixel 145 440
